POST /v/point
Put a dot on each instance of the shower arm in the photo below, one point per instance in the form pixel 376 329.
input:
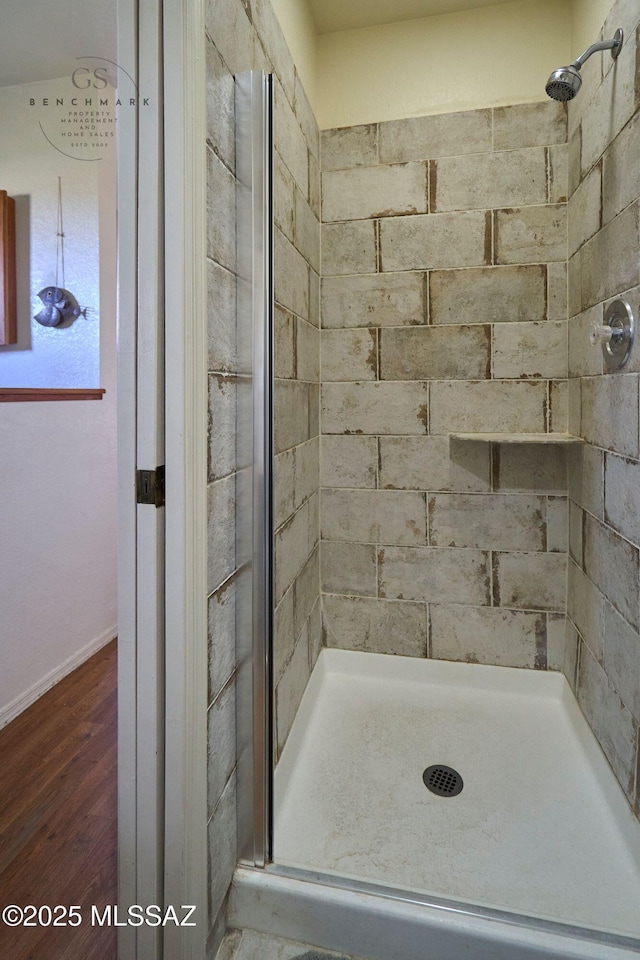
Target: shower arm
pixel 613 45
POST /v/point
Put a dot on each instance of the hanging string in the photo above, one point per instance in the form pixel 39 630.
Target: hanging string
pixel 60 237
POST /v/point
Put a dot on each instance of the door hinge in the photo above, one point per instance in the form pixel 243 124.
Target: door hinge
pixel 150 486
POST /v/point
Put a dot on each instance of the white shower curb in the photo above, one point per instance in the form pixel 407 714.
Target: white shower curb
pixel 364 924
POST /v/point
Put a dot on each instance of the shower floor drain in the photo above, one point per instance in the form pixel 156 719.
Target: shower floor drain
pixel 443 781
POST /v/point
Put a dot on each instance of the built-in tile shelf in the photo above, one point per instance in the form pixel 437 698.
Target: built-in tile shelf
pixel 546 438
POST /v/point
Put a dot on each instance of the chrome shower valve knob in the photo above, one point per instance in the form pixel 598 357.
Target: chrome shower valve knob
pixel 616 334
pixel 605 334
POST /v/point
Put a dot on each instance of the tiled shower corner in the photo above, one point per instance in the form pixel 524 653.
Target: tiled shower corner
pixel 446 290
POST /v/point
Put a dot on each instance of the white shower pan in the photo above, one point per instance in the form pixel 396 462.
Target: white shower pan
pixel 541 828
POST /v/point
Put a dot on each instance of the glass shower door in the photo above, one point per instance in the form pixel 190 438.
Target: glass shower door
pixel 254 524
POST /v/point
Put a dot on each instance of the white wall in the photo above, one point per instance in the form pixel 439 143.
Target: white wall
pixel 497 54
pixel 490 56
pixel 29 171
pixel 587 18
pixel 58 501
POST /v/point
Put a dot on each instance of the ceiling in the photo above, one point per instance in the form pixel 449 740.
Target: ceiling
pixel 331 16
pixel 40 41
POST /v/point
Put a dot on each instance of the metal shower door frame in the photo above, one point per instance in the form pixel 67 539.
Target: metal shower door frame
pixel 254 711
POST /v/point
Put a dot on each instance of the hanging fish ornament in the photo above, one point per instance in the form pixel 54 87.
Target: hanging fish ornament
pixel 59 306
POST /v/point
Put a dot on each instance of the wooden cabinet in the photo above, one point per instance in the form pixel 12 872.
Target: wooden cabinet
pixel 8 312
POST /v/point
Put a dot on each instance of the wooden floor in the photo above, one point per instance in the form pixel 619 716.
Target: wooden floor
pixel 58 830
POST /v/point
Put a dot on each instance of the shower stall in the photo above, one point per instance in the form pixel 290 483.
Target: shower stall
pixel 437 601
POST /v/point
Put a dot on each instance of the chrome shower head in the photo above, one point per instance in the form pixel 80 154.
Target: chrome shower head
pixel 565 82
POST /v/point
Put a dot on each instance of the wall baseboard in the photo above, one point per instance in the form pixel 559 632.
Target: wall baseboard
pixel 26 699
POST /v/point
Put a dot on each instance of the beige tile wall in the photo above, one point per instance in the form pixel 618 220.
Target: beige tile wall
pixel 603 640
pixel 243 36
pixel 444 245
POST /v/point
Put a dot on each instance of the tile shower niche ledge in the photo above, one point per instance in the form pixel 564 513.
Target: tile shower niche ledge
pixel 553 439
